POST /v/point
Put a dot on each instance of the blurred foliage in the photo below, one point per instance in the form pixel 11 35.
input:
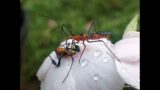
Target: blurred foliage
pixel 109 15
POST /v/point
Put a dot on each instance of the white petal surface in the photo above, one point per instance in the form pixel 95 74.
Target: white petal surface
pixel 96 71
pixel 127 50
pixel 43 69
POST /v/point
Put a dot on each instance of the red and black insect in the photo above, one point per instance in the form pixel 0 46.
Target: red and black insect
pixel 91 36
pixel 64 52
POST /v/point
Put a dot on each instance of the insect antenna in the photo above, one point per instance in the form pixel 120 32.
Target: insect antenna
pixel 68 28
pixel 64 30
pixel 59 36
pixel 67 47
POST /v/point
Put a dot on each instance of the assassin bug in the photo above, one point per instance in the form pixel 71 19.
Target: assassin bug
pixel 91 36
pixel 62 52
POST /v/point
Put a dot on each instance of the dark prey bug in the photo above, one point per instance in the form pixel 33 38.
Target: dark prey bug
pixel 65 51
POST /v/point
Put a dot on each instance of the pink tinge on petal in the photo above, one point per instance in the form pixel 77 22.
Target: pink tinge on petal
pixel 96 70
pixel 130 73
pixel 128 51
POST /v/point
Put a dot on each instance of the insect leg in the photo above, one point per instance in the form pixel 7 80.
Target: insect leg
pixel 82 51
pixel 106 46
pixel 71 63
pixel 53 61
pixel 69 70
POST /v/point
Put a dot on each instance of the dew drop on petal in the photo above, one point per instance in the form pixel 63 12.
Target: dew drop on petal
pixel 97 53
pixel 96 77
pixel 84 62
pixel 105 59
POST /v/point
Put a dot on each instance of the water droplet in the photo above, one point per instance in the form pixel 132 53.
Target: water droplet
pixel 96 77
pixel 106 59
pixel 84 62
pixel 124 69
pixel 97 53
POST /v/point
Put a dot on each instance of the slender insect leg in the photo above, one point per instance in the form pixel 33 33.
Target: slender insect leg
pixel 106 46
pixel 53 61
pixel 68 28
pixel 89 31
pixel 59 60
pixel 82 51
pixel 69 70
pixel 64 31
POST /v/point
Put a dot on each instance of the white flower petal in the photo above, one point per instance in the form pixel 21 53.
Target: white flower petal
pixel 41 73
pixel 94 72
pixel 127 50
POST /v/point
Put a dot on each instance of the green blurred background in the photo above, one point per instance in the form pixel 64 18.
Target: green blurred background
pixel 45 15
